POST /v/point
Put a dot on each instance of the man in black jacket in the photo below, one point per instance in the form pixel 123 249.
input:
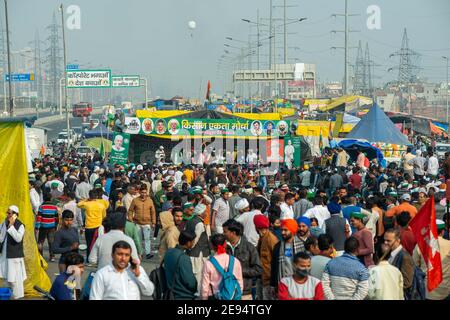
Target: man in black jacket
pixel 245 252
pixel 12 263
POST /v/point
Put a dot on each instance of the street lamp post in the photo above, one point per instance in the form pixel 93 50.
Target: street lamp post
pixel 11 102
pixel 146 85
pixel 61 8
pixel 446 92
pixel 273 36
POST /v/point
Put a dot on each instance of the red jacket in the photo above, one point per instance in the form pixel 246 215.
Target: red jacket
pixel 289 289
pixel 408 240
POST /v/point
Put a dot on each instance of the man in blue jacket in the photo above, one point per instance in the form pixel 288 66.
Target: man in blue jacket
pixel 67 285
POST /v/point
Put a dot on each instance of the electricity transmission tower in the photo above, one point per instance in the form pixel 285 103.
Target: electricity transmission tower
pixel 407 68
pixel 54 61
pixel 360 69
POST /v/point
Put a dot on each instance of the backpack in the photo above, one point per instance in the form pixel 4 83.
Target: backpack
pixel 158 278
pixel 229 288
pixel 417 290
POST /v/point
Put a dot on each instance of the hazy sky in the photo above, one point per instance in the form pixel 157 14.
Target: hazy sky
pixel 151 37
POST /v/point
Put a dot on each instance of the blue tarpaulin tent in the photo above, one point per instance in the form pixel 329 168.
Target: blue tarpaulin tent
pixel 351 147
pixel 375 126
pixel 99 131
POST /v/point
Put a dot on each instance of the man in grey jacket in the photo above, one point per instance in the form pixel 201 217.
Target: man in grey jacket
pixel 303 204
pixel 245 252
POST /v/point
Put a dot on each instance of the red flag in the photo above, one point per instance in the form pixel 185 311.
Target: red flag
pixel 208 90
pixel 424 227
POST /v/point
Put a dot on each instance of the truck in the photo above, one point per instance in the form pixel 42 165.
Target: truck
pixel 441 149
pixel 82 109
pixel 36 139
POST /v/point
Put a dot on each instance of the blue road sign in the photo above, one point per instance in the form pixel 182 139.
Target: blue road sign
pixel 72 67
pixel 18 77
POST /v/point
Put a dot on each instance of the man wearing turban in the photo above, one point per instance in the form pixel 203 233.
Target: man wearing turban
pixel 284 252
pixel 266 245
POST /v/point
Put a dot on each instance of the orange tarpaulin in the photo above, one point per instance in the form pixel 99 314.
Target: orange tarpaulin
pixel 436 130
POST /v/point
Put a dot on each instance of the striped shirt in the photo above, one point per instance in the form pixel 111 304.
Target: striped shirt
pixel 47 216
pixel 345 278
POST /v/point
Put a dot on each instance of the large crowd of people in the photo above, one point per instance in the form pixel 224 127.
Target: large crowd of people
pixel 334 229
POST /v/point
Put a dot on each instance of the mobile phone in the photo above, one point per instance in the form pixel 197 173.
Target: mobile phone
pixel 132 264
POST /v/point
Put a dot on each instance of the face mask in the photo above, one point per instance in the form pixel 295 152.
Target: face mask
pixel 302 272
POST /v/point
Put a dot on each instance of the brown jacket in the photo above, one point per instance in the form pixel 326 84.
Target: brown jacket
pixel 142 212
pixel 170 235
pixel 265 247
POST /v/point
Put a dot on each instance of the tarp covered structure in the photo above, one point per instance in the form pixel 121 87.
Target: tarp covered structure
pixel 418 125
pixel 375 126
pixel 100 131
pixel 15 191
pixel 352 146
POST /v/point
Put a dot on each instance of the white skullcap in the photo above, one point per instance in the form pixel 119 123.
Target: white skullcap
pixel 242 204
pixel 14 209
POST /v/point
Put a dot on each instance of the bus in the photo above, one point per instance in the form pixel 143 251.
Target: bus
pixel 82 109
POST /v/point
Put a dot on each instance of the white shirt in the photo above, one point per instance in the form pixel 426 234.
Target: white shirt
pixel 12 269
pixel 35 199
pixel 156 186
pixel 433 166
pixel 101 251
pixel 319 212
pixel 249 226
pixel 394 253
pixel 93 178
pixel 251 158
pixel 60 187
pixel 289 151
pixel 78 218
pixel 177 177
pixel 385 282
pixel 287 212
pixel 127 199
pixel 110 284
pixel 371 225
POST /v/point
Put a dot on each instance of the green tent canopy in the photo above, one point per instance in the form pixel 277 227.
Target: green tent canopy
pixel 96 143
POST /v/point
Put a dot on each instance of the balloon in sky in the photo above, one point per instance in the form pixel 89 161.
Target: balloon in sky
pixel 192 25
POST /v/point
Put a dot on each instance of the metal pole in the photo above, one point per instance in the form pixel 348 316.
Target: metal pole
pixel 11 102
pixel 4 96
pixel 257 27
pixel 446 92
pixel 249 87
pixel 60 96
pixel 61 8
pixel 145 103
pixel 285 51
pixel 346 50
pixel 275 70
pixel 270 46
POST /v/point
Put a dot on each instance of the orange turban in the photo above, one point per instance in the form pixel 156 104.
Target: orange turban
pixel 290 224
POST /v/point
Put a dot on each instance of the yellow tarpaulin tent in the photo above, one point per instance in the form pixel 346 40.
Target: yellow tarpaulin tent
pixel 259 116
pixel 160 114
pixel 15 191
pixel 334 103
pixel 312 128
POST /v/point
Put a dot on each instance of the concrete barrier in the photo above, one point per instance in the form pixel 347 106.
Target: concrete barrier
pixel 56 118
